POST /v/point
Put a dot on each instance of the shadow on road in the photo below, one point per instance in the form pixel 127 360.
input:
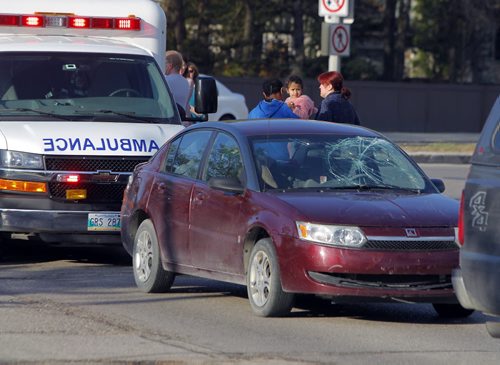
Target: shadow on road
pixel 25 252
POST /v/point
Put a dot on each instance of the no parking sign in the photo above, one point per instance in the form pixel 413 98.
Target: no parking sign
pixel 333 8
pixel 340 40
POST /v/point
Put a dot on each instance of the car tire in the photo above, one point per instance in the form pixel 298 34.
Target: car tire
pixel 149 274
pixel 447 310
pixel 227 117
pixel 265 292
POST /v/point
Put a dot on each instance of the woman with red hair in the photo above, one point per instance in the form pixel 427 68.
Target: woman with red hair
pixel 335 106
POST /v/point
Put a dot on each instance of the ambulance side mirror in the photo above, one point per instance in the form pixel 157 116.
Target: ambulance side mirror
pixel 205 95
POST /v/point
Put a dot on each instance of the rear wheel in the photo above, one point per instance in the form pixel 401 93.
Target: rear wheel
pixel 265 293
pixel 452 310
pixel 493 329
pixel 149 274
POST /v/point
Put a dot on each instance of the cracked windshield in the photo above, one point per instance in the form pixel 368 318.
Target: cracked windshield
pixel 336 162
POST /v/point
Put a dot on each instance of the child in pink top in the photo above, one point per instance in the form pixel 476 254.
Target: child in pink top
pixel 301 104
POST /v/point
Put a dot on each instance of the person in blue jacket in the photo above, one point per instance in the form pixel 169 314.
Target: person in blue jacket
pixel 272 106
pixel 335 106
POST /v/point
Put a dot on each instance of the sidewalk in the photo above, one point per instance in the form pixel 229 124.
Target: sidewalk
pixel 425 141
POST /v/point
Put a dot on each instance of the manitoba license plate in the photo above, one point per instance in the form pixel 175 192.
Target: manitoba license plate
pixel 103 222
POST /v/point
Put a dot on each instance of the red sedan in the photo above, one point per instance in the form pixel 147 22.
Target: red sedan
pixel 291 207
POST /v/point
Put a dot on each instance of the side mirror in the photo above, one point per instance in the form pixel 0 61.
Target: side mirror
pixel 205 95
pixel 229 184
pixel 439 184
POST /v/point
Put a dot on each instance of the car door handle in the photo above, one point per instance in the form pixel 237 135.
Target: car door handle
pixel 161 187
pixel 199 196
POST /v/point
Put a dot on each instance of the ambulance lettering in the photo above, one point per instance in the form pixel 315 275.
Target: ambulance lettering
pixel 101 144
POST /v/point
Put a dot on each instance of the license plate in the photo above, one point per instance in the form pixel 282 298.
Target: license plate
pixel 103 222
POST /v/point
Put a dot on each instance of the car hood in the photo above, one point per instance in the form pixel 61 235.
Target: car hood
pixel 375 209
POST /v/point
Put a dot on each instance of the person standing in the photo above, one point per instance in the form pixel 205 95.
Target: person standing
pixel 335 106
pixel 191 73
pixel 177 83
pixel 272 106
pixel 300 103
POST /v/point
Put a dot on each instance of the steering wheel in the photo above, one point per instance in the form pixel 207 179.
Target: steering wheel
pixel 126 92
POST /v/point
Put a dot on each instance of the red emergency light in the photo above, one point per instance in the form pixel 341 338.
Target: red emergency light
pixel 78 22
pixel 72 21
pixel 9 20
pixel 68 178
pixel 32 21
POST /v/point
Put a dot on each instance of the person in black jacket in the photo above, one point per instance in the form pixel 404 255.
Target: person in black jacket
pixel 335 106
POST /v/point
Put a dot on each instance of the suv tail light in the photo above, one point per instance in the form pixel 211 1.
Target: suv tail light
pixel 461 221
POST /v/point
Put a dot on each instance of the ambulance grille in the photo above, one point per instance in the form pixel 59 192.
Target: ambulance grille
pixel 105 163
pixel 96 193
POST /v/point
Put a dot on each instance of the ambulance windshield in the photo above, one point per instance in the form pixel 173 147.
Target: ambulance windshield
pixel 84 86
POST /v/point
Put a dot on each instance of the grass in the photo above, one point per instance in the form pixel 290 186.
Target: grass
pixel 443 147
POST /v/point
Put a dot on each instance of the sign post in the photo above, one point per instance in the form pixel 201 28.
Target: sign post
pixel 338 14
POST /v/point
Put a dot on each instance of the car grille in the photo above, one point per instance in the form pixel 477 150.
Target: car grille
pixel 410 245
pixel 98 192
pixel 71 163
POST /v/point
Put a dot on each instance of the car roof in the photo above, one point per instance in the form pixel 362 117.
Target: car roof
pixel 259 127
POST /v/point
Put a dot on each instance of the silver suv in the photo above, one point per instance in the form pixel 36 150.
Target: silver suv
pixel 477 282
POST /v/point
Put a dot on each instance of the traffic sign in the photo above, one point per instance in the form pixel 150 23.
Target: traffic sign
pixel 340 39
pixel 333 8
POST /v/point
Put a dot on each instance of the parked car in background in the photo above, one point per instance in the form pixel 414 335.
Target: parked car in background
pixel 231 105
pixel 288 208
pixel 477 282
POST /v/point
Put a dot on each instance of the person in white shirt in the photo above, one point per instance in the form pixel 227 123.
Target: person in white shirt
pixel 178 85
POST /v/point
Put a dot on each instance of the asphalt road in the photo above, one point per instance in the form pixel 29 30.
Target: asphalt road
pixel 80 305
pixel 62 305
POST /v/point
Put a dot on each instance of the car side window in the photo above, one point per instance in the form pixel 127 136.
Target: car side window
pixel 172 151
pixel 224 159
pixel 186 158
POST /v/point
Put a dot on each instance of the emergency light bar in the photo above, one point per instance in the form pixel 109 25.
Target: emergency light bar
pixel 69 21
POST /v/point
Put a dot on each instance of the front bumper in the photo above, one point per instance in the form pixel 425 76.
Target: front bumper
pixel 406 275
pixel 56 225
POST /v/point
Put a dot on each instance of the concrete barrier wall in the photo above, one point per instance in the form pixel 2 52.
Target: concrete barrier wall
pixel 401 107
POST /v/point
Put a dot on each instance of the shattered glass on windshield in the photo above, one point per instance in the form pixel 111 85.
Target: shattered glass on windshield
pixel 336 162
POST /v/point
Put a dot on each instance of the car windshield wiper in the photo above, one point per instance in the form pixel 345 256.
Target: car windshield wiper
pixel 121 114
pixel 368 187
pixel 54 115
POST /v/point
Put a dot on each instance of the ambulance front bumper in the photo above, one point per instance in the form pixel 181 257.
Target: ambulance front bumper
pixel 63 225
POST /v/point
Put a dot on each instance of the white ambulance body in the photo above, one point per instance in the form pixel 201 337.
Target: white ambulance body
pixel 82 101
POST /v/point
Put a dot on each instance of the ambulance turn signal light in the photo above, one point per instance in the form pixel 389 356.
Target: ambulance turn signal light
pixel 23 186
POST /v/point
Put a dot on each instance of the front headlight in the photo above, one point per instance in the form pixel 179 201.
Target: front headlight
pixel 331 235
pixel 20 160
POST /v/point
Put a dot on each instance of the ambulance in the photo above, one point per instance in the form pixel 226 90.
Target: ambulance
pixel 83 100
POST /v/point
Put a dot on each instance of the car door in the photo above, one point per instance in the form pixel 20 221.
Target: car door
pixel 171 195
pixel 215 224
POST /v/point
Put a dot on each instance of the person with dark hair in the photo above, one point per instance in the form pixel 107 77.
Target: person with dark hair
pixel 335 106
pixel 272 106
pixel 300 103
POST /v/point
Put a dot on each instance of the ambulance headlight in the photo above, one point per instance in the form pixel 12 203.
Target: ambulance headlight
pixel 342 236
pixel 20 160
